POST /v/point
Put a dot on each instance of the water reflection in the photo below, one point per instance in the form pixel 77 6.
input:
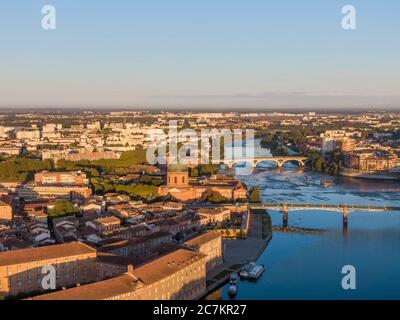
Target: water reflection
pixel 307 265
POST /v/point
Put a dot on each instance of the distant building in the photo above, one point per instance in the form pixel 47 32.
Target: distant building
pixel 28 134
pixel 338 139
pixel 61 191
pixel 64 229
pixel 5 211
pixel 92 156
pixel 105 225
pixel 10 150
pixel 69 178
pixel 371 161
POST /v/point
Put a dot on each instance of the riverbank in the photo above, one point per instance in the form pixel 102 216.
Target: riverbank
pixel 349 173
pixel 237 252
pixel 291 258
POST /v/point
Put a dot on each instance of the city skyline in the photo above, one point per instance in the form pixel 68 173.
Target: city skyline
pixel 154 55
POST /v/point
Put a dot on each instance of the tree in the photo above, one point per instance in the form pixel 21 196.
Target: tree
pixel 22 169
pixel 255 196
pixel 137 156
pixel 213 196
pixel 194 172
pixel 63 208
pixel 208 169
pixel 144 191
pixel 178 236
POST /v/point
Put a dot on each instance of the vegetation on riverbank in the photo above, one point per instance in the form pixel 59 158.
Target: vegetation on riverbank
pixel 277 141
pixel 255 195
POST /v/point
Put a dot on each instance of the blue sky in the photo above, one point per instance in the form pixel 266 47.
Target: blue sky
pixel 208 53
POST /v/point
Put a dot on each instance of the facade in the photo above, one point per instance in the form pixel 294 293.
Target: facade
pixel 215 215
pixel 371 161
pixel 338 139
pixel 178 177
pixel 180 275
pixel 21 270
pixel 347 145
pixel 209 244
pixel 5 211
pixel 10 150
pixel 70 178
pixel 64 228
pixel 91 156
pixel 62 191
pixel 105 225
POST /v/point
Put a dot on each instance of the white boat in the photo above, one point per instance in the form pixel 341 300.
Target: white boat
pixel 233 284
pixel 252 271
pixel 245 272
pixel 256 272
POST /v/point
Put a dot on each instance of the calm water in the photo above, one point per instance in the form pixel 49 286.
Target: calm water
pixel 308 266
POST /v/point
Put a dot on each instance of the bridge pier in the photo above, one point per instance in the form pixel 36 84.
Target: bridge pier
pixel 345 220
pixel 285 217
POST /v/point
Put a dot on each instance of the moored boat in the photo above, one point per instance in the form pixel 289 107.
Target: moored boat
pixel 252 271
pixel 233 284
pixel 256 272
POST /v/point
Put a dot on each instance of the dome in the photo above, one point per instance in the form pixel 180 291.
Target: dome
pixel 177 168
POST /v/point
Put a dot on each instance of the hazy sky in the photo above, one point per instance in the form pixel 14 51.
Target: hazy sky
pixel 200 53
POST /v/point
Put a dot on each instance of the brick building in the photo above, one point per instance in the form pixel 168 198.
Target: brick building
pixel 69 177
pixel 21 270
pixel 209 244
pixel 180 275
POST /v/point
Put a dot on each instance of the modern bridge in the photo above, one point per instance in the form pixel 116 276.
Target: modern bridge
pixel 324 207
pixel 284 208
pixel 344 208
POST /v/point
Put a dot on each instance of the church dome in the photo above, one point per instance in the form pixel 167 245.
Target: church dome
pixel 177 168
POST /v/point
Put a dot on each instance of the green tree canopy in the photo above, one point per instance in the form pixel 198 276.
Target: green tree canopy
pixel 255 196
pixel 22 169
pixel 63 208
pixel 213 196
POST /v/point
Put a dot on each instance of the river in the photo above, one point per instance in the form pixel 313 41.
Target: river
pixel 308 266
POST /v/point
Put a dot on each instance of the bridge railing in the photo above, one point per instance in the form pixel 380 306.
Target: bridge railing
pixel 324 206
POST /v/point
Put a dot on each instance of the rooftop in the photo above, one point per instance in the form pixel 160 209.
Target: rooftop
pixel 44 253
pixel 166 265
pixel 96 291
pixel 177 168
pixel 204 238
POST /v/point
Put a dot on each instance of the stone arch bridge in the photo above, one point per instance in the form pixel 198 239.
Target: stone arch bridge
pixel 279 161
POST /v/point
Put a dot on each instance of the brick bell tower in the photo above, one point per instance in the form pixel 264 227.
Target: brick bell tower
pixel 178 176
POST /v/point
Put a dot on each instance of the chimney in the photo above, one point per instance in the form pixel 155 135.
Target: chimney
pixel 130 268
